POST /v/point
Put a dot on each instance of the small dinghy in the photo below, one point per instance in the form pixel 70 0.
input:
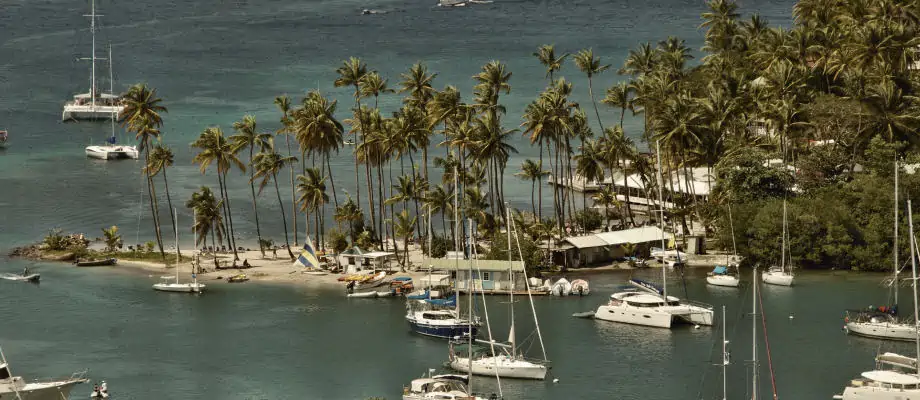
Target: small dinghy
pixel 562 287
pixel 97 263
pixel 316 272
pixel 586 314
pixel 34 278
pixel 362 294
pixel 580 288
pixel 238 278
pixel 100 391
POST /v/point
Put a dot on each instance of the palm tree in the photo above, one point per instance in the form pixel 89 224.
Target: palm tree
pixel 620 96
pixel 534 172
pixel 417 82
pixel 404 226
pixel 248 138
pixel 159 160
pixel 312 188
pixel 440 200
pixel 606 197
pixel 284 105
pixel 351 73
pixel 215 148
pixel 591 66
pixel 893 111
pixel 208 219
pixel 112 238
pixel 143 117
pixel 349 212
pixel 546 54
pixel 589 163
pixel 268 163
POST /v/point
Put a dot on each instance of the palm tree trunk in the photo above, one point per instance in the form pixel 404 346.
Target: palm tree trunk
pixel 283 217
pixel 171 215
pixel 335 198
pixel 418 228
pixel 255 209
pixel 154 207
pixel 370 187
pixel 363 138
pixel 380 206
pixel 540 188
pixel 236 256
pixel 629 212
pixel 533 189
pixel 293 196
pixel 596 112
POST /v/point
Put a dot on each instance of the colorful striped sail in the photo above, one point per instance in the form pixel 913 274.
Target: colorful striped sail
pixel 307 258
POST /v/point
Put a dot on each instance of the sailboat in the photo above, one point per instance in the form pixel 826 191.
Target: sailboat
pixel 438 318
pixel 650 305
pixel 439 387
pixel 511 363
pixel 882 322
pixel 176 286
pixel 728 274
pixel 895 377
pixel 94 105
pixel 779 275
pixel 16 388
pixel 111 150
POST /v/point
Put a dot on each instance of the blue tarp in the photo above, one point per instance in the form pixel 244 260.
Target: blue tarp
pixel 720 270
pixel 402 278
pixel 448 302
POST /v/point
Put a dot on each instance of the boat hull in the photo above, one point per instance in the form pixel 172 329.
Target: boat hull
pixel 877 393
pixel 723 280
pixel 501 366
pixel 778 278
pixel 38 391
pixel 179 288
pixel 635 316
pixel 441 331
pixel 88 112
pixel 883 330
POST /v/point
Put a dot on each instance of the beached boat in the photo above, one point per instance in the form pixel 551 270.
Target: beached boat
pixel 562 287
pixel 94 105
pixel 238 278
pixel 176 286
pixel 373 281
pixel 580 287
pixel 97 263
pixel 16 388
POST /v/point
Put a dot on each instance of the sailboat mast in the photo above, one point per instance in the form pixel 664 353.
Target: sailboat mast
pixel 511 336
pixel 754 340
pixel 469 288
pixel 457 241
pixel 176 218
pixel 782 262
pixel 724 358
pixel 913 268
pixel 92 29
pixel 664 269
pixel 894 283
pixel 111 72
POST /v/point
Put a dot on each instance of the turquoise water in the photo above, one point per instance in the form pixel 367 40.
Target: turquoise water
pixel 215 61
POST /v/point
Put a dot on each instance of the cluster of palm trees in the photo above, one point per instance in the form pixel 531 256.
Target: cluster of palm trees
pixel 858 50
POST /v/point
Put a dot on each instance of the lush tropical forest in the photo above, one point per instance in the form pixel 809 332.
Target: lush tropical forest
pixel 815 114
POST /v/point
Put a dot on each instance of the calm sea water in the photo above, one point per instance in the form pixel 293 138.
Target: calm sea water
pixel 214 61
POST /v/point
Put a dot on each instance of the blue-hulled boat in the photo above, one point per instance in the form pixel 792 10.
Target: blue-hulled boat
pixel 444 324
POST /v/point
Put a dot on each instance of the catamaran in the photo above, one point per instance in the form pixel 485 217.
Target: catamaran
pixel 779 275
pixel 95 104
pixel 15 387
pixel 882 322
pixel 650 305
pixel 176 286
pixel 895 377
pixel 511 363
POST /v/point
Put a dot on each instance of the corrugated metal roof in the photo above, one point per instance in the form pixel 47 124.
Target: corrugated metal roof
pixel 482 265
pixel 635 235
pixel 584 242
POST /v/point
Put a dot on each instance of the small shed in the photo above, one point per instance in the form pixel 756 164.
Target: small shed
pixel 607 246
pixel 490 276
pixel 357 260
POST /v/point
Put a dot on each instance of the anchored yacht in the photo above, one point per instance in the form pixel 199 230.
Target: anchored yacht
pixel 648 307
pixel 95 104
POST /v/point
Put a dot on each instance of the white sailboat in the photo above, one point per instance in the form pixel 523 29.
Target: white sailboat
pixel 439 387
pixel 176 286
pixel 112 150
pixel 651 305
pixel 728 274
pixel 511 362
pixel 779 275
pixel 882 322
pixel 94 105
pixel 895 377
pixel 16 388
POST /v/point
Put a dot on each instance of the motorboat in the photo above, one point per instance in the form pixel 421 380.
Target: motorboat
pixel 562 287
pixel 452 3
pixel 879 323
pixel 25 276
pixel 648 307
pixel 370 294
pixel 95 104
pixel 112 152
pixel 97 263
pixel 894 378
pixel 440 387
pixel 16 388
pixel 238 278
pixel 100 391
pixel 425 318
pixel 580 288
pixel 722 276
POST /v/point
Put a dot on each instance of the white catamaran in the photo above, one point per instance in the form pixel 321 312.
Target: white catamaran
pixel 95 104
pixel 895 377
pixel 882 322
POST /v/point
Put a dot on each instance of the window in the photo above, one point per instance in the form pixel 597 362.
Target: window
pixel 487 276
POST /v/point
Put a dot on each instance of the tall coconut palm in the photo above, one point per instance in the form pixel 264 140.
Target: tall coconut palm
pixel 533 171
pixel 404 225
pixel 247 137
pixel 215 148
pixel 351 73
pixel 620 96
pixel 268 163
pixel 208 218
pixel 160 159
pixel 591 65
pixel 606 197
pixel 312 188
pixel 439 200
pixel 284 105
pixel 142 113
pixel 589 163
pixel 349 213
pixel 546 54
pixel 418 84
